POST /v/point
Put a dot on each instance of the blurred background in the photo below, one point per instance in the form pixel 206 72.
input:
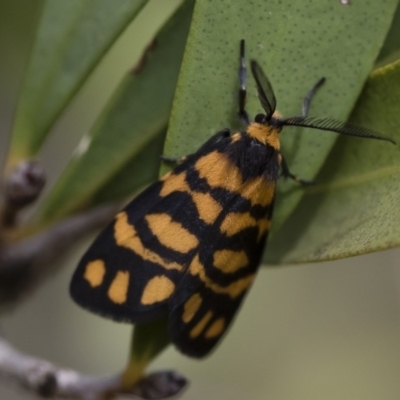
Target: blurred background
pixel 322 331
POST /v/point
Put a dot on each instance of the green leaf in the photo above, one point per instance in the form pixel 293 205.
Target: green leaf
pixel 72 36
pixel 148 340
pixel 296 45
pixel 355 207
pixel 139 171
pixel 390 51
pixel 130 126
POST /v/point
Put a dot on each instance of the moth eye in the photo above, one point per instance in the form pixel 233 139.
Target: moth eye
pixel 260 118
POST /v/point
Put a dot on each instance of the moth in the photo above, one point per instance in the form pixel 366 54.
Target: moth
pixel 189 246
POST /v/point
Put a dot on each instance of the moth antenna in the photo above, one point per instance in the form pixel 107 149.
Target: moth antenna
pixel 332 125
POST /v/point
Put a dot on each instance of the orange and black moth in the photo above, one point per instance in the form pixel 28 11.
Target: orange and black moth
pixel 189 246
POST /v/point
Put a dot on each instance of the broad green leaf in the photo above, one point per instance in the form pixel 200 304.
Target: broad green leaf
pixel 72 36
pixel 355 207
pixel 296 44
pixel 390 51
pixel 136 116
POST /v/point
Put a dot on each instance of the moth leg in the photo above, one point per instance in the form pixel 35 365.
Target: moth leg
pixel 173 160
pixel 243 115
pixel 224 133
pixel 310 95
pixel 204 148
pixel 287 174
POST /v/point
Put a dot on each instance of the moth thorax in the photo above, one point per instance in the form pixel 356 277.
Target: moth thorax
pixel 264 133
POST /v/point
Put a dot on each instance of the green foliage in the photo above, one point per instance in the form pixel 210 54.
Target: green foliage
pixel 296 45
pixel 354 208
pixel 118 154
pixel 71 38
pixel 390 50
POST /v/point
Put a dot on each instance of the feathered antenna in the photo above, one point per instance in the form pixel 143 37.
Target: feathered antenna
pixel 328 124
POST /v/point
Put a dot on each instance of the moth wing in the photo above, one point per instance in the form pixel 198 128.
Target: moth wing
pixel 210 293
pixel 131 270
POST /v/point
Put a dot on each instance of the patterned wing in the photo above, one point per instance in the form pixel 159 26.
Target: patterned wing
pixel 131 271
pixel 187 247
pixel 222 270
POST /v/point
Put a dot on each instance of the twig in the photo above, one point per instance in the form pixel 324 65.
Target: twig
pixel 47 380
pixel 50 381
pixel 22 187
